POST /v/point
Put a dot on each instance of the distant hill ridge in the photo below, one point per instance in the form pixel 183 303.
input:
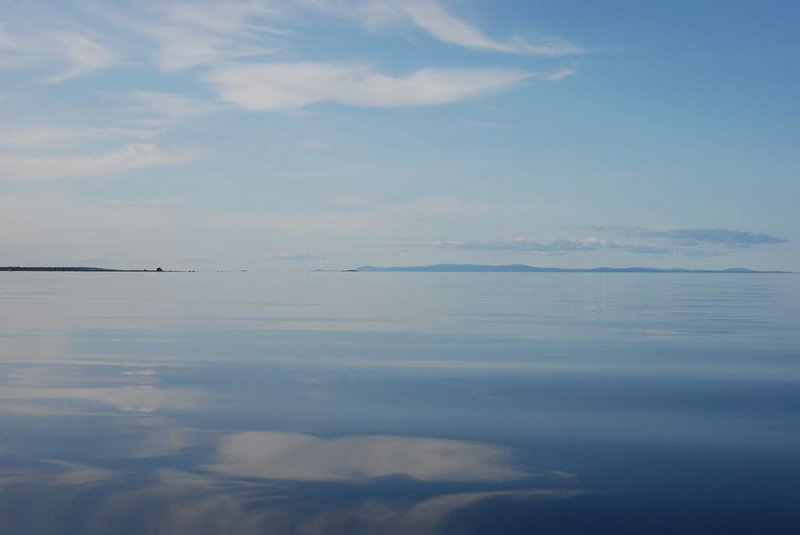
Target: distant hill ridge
pixel 523 268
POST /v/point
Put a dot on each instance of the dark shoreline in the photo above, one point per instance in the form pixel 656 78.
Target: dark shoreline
pixel 85 269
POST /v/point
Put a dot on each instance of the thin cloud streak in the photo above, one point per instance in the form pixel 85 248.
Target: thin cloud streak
pixel 560 74
pixel 287 86
pixel 184 36
pixel 82 55
pixel 189 36
pixel 684 242
pixel 721 236
pixel 47 137
pixel 22 168
pixel 696 236
pixel 75 54
pixel 434 19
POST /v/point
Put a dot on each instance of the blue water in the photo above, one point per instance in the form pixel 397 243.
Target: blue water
pixel 399 403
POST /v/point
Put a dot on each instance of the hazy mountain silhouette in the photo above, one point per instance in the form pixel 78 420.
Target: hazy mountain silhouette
pixel 522 268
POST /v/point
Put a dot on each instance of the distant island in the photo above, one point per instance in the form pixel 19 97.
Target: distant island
pixel 79 268
pixel 522 268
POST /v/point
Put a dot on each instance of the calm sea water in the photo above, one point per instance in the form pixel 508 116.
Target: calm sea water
pixel 136 403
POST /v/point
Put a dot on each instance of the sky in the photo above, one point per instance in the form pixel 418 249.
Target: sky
pixel 285 135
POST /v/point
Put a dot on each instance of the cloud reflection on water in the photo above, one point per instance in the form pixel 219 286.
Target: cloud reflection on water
pixel 35 389
pixel 296 456
pixel 124 450
pixel 56 474
pixel 272 483
pixel 195 503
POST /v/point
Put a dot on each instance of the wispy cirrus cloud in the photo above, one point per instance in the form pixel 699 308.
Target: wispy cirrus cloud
pixel 560 74
pixel 47 137
pixel 181 35
pixel 82 55
pixel 189 35
pixel 198 36
pixel 436 20
pixel 72 53
pixel 441 24
pixel 286 86
pixel 220 41
pixel 224 45
pixel 26 167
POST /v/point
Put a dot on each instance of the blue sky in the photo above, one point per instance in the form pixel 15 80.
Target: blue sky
pixel 299 134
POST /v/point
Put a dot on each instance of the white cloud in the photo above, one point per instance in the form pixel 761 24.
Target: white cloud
pixel 221 17
pixel 82 55
pixel 286 86
pixel 560 74
pixel 199 34
pixel 186 35
pixel 433 18
pixel 437 21
pixel 206 33
pixel 12 43
pixel 19 167
pixel 184 49
pixel 73 53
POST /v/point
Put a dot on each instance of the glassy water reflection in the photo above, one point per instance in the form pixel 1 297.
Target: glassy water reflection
pixel 399 403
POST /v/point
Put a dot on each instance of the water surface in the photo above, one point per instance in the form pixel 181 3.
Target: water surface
pixel 399 403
